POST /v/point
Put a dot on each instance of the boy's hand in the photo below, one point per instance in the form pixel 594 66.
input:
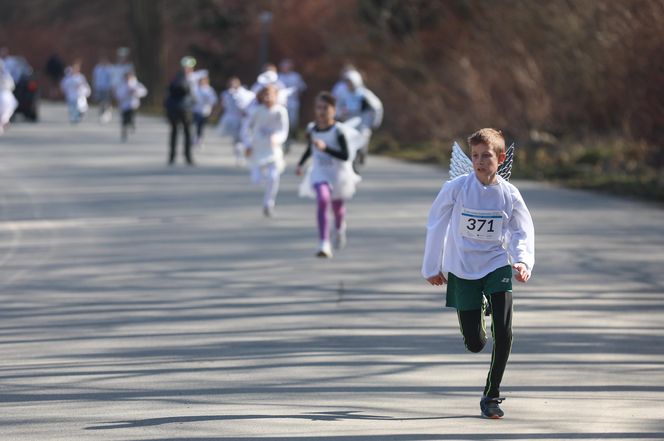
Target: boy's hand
pixel 298 171
pixel 437 280
pixel 247 152
pixel 522 272
pixel 320 145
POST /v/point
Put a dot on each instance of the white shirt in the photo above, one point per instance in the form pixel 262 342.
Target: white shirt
pixel 205 98
pixel 267 130
pixel 75 87
pixel 236 101
pixel 129 94
pixel 448 250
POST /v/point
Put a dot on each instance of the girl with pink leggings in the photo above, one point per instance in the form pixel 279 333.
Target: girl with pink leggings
pixel 331 178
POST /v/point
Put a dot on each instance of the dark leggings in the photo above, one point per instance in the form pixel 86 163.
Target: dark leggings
pixel 177 118
pixel 200 121
pixel 474 336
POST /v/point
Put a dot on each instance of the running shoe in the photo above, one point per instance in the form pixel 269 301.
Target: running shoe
pixel 490 408
pixel 325 250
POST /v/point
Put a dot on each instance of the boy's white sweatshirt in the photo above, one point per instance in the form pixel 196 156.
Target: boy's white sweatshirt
pixel 205 100
pixel 464 207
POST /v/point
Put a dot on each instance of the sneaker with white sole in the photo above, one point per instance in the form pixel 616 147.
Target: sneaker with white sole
pixel 325 250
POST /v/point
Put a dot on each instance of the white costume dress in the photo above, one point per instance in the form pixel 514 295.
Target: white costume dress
pixel 77 91
pixel 474 229
pixel 8 102
pixel 267 130
pixel 337 173
pixel 359 108
pixel 235 103
pixel 129 94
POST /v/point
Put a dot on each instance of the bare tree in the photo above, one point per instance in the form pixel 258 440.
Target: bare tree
pixel 145 24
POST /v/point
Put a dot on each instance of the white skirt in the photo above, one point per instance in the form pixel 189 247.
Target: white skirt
pixel 8 105
pixel 342 181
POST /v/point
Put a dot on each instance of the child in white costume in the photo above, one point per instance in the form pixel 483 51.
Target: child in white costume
pixel 235 102
pixel 340 87
pixel 360 108
pixel 267 130
pixel 76 90
pixel 205 98
pixel 270 77
pixel 331 179
pixel 295 86
pixel 129 93
pixel 479 230
pixel 102 84
pixel 8 102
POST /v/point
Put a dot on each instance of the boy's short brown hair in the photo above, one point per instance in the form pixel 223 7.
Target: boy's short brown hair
pixel 491 137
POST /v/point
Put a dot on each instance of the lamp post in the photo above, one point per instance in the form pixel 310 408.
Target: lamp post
pixel 265 18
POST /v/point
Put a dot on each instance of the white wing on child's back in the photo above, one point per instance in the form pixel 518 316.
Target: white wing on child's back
pixel 505 169
pixel 354 138
pixel 460 164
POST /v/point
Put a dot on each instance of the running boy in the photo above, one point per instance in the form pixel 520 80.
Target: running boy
pixel 76 90
pixel 235 102
pixel 331 176
pixel 205 98
pixel 479 230
pixel 129 93
pixel 267 131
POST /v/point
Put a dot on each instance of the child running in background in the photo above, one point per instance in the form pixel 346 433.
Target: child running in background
pixel 479 230
pixel 331 176
pixel 102 83
pixel 76 90
pixel 205 98
pixel 267 131
pixel 235 102
pixel 129 93
pixel 8 102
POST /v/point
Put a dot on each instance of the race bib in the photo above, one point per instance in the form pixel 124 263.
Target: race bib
pixel 481 224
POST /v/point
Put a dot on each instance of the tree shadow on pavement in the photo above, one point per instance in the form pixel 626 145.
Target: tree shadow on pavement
pixel 342 415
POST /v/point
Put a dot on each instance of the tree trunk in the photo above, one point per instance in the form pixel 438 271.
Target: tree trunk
pixel 145 25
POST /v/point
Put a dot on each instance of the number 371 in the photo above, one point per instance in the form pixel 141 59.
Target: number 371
pixel 479 224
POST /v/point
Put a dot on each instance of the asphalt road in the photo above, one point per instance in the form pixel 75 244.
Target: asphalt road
pixel 146 302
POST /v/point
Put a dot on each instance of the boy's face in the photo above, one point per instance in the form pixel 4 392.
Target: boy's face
pixel 324 112
pixel 270 96
pixel 485 160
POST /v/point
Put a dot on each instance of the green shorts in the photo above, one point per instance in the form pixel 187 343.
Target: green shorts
pixel 466 295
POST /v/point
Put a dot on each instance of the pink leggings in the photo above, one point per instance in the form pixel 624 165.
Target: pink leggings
pixel 324 199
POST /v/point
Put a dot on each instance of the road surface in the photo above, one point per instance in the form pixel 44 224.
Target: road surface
pixel 146 302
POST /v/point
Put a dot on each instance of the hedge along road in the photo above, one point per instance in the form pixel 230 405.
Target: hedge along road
pixel 142 302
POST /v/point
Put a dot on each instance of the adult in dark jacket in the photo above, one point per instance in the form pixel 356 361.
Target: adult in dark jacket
pixel 178 106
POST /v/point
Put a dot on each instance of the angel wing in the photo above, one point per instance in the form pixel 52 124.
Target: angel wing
pixel 460 164
pixel 505 169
